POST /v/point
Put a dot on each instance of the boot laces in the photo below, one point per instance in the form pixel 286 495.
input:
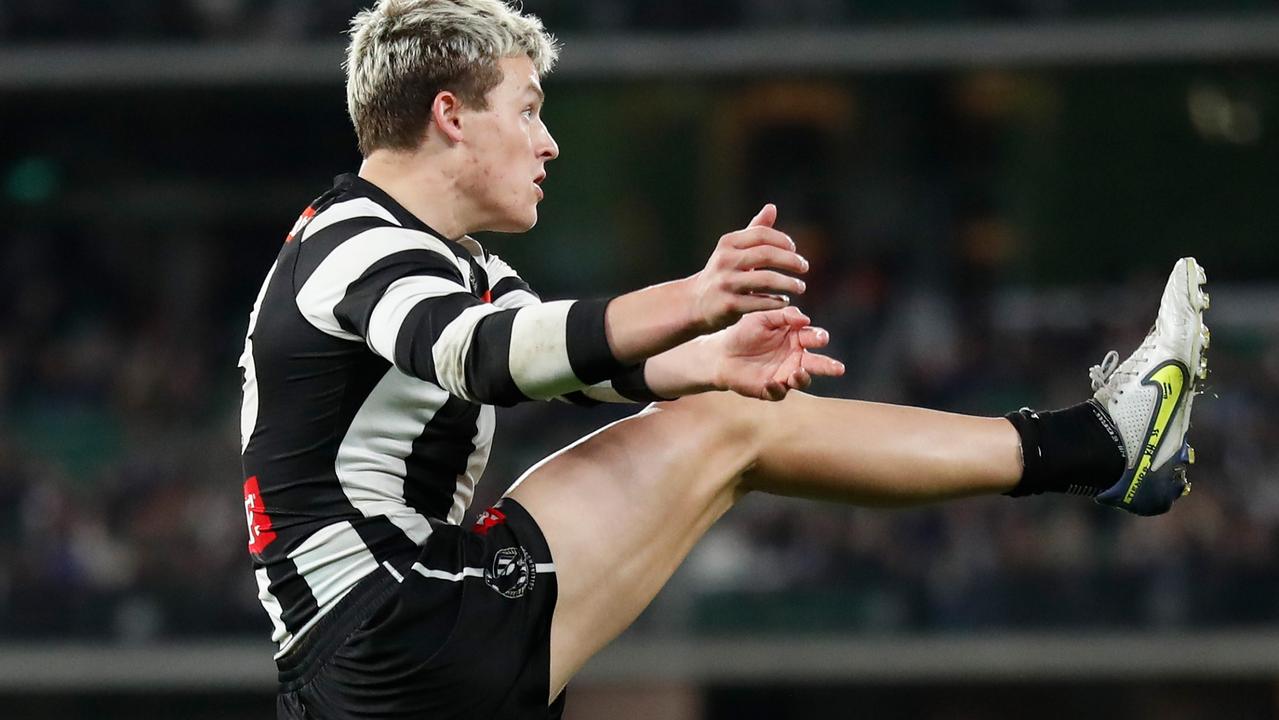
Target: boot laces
pixel 1101 374
pixel 1109 377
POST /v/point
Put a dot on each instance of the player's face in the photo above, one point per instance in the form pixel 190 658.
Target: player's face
pixel 510 147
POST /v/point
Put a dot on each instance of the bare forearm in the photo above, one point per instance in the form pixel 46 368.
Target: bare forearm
pixel 645 323
pixel 687 369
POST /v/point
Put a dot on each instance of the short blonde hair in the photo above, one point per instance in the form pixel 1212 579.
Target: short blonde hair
pixel 404 52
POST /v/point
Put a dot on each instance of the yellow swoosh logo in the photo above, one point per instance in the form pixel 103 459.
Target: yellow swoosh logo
pixel 1170 379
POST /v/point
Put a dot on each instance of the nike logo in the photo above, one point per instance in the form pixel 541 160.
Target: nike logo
pixel 1170 379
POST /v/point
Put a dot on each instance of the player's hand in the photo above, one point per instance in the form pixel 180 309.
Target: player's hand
pixel 746 274
pixel 767 354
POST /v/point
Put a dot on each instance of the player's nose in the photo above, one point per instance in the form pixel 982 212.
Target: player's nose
pixel 548 149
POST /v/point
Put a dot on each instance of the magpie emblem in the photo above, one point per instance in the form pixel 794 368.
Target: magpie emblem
pixel 512 572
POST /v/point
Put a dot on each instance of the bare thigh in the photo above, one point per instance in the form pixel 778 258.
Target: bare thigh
pixel 621 509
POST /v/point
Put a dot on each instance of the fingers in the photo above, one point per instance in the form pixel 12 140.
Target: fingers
pixel 746 304
pixel 766 216
pixel 774 390
pixel 821 365
pixel 758 235
pixel 800 379
pixel 767 282
pixel 751 270
pixel 789 316
pixel 768 256
pixel 813 337
pixel 793 317
pixel 812 364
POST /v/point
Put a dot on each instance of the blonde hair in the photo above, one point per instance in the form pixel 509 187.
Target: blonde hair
pixel 404 52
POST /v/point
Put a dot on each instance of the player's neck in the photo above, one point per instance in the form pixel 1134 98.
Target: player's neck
pixel 426 189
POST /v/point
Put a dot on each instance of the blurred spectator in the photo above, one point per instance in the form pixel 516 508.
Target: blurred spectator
pixel 291 20
pixel 126 301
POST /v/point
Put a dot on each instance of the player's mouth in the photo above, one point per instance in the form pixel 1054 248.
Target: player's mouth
pixel 537 185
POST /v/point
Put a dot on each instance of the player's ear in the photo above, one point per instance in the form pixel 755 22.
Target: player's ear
pixel 446 111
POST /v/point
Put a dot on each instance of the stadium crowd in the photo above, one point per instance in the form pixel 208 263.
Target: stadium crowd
pixel 292 20
pixel 120 517
pixel 127 268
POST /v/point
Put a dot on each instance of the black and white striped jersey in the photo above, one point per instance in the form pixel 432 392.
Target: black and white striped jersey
pixel 375 353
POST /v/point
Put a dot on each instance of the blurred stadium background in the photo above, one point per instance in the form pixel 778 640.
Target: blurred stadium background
pixel 991 192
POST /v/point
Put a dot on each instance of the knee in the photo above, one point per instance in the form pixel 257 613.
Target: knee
pixel 713 406
pixel 723 418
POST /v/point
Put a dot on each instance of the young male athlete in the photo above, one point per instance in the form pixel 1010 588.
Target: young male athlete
pixel 384 336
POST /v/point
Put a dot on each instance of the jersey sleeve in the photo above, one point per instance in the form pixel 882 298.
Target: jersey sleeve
pixel 508 290
pixel 406 295
pixel 627 386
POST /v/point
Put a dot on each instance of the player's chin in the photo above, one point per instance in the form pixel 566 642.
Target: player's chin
pixel 518 222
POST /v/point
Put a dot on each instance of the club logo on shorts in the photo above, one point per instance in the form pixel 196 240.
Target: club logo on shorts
pixel 512 572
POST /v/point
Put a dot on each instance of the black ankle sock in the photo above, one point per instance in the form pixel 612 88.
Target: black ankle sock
pixel 1075 450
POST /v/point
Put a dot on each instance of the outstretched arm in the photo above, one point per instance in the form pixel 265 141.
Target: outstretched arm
pixel 404 293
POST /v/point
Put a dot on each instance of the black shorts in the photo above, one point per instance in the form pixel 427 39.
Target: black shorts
pixel 463 632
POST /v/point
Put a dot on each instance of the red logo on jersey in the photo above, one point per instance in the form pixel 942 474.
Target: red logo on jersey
pixel 260 534
pixel 488 296
pixel 487 520
pixel 303 219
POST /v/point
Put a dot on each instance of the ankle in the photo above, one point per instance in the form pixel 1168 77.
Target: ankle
pixel 1075 450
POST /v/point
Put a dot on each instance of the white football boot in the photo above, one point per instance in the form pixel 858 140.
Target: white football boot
pixel 1148 396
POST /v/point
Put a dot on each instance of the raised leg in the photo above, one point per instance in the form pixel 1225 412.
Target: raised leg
pixel 622 507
